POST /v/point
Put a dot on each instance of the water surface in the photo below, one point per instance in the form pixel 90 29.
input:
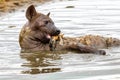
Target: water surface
pixel 74 18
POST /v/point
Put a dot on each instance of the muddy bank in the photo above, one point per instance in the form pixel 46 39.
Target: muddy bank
pixel 13 5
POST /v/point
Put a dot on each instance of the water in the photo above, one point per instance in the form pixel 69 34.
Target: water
pixel 74 18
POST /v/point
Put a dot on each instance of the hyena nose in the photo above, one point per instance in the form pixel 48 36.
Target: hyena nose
pixel 57 32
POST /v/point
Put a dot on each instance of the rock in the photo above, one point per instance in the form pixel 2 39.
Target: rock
pixel 70 7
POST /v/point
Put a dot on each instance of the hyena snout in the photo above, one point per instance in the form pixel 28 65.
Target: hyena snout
pixel 56 32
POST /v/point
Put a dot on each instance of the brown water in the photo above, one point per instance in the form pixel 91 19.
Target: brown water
pixel 74 18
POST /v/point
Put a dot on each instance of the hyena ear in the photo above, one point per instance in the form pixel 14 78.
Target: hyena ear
pixel 48 14
pixel 31 12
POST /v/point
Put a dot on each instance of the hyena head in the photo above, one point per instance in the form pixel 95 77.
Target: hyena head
pixel 41 24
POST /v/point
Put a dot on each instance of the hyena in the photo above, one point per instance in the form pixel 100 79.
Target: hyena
pixel 37 32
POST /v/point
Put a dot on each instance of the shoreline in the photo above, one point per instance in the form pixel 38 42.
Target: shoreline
pixel 10 6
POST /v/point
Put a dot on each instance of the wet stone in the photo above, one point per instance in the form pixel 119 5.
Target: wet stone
pixel 70 6
pixel 11 26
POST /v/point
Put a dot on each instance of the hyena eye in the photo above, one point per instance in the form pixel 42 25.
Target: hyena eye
pixel 46 22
